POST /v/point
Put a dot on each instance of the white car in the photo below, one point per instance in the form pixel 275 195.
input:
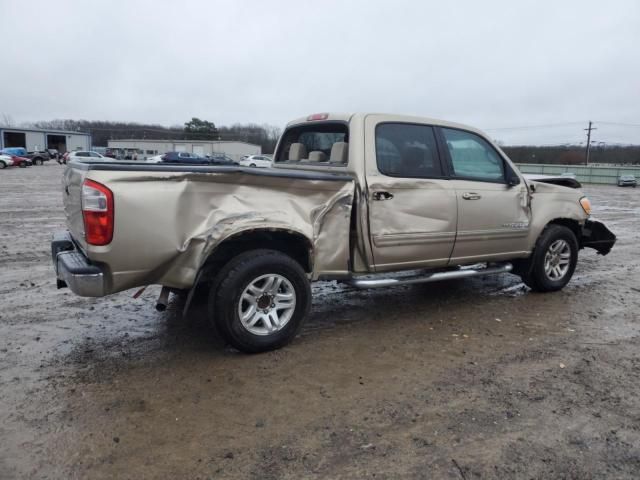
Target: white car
pixel 86 155
pixel 255 161
pixel 155 159
pixel 5 161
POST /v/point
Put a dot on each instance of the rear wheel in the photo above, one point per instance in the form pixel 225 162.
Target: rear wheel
pixel 37 161
pixel 252 165
pixel 260 300
pixel 2 165
pixel 553 261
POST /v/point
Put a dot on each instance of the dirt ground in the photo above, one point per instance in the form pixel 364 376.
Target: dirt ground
pixel 469 379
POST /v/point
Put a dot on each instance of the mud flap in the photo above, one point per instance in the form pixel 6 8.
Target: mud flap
pixel 595 235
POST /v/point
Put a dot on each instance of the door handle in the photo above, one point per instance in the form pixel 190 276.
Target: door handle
pixel 471 196
pixel 382 196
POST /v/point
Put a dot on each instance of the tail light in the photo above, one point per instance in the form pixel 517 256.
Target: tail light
pixel 97 212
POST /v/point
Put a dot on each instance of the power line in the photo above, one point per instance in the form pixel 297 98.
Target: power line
pixel 525 127
pixel 619 124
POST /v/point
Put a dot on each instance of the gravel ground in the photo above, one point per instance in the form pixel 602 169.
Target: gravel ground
pixel 477 378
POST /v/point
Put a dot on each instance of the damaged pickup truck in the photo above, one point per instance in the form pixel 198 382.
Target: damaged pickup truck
pixel 367 199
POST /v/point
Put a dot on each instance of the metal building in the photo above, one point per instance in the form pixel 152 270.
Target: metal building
pixel 148 148
pixel 37 140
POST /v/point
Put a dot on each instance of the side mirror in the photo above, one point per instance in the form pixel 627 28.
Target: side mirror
pixel 512 178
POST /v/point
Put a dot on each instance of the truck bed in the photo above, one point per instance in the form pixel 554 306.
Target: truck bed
pixel 169 218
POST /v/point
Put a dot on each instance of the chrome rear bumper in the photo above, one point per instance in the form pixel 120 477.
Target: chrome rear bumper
pixel 73 269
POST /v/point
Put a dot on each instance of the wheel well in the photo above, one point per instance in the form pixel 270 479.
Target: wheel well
pixel 290 243
pixel 572 225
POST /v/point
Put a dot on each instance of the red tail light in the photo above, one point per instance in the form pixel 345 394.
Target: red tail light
pixel 97 211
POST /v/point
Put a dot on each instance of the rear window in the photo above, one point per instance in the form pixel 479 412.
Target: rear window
pixel 315 143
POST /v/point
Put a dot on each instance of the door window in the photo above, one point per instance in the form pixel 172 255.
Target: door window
pixel 407 150
pixel 473 157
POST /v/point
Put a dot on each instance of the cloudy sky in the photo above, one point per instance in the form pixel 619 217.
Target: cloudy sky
pixel 497 65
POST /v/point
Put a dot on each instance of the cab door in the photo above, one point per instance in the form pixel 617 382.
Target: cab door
pixel 412 207
pixel 493 202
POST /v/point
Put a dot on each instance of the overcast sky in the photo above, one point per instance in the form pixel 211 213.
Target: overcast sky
pixel 490 64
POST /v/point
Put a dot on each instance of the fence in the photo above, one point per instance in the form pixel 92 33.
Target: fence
pixel 584 174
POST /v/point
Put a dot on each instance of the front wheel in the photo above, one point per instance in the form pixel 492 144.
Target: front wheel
pixel 553 261
pixel 2 165
pixel 260 300
pixel 37 161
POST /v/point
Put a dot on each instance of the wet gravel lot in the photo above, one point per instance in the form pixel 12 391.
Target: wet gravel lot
pixel 477 378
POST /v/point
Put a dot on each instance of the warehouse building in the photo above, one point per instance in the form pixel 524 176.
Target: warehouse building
pixel 38 140
pixel 143 149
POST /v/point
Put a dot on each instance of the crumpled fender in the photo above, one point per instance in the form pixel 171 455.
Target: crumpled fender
pixel 597 236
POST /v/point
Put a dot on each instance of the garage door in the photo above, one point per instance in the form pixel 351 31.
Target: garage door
pixel 198 150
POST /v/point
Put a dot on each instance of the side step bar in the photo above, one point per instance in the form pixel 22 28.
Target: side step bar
pixel 429 277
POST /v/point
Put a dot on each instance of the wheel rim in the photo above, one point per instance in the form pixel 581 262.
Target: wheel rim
pixel 267 304
pixel 557 260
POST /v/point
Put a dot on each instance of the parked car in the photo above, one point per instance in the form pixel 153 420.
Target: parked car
pixel 21 162
pixel 430 204
pixel 192 159
pixel 184 157
pixel 38 158
pixel 6 161
pixel 54 153
pixel 14 161
pixel 221 158
pixel 84 155
pixel 155 159
pixel 627 181
pixel 255 161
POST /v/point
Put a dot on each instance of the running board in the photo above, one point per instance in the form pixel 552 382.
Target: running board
pixel 433 277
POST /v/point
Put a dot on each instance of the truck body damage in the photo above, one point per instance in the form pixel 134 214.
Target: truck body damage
pixel 181 217
pixel 597 236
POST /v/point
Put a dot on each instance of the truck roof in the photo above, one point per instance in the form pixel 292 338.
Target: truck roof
pixel 347 117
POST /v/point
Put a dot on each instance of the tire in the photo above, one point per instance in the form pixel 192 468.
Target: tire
pixel 23 165
pixel 2 165
pixel 251 282
pixel 555 245
pixel 37 161
pixel 252 165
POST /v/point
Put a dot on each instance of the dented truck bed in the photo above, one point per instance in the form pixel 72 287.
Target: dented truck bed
pixel 169 218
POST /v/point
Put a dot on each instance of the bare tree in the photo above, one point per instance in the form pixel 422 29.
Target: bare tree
pixel 7 120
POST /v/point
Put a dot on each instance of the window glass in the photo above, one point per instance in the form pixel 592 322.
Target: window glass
pixel 94 155
pixel 313 137
pixel 472 156
pixel 406 150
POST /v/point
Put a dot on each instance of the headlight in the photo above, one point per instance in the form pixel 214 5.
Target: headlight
pixel 586 205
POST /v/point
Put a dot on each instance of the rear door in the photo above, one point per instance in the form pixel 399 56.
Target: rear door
pixel 412 206
pixel 493 216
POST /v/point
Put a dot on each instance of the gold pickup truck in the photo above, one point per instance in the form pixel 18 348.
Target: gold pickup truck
pixel 368 199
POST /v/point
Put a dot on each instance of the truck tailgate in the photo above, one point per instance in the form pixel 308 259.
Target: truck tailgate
pixel 71 196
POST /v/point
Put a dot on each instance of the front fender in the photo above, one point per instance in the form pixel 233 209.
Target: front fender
pixel 597 236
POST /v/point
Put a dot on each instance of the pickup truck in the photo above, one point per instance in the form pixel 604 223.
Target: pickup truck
pixel 371 200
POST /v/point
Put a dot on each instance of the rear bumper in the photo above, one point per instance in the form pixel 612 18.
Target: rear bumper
pixel 597 236
pixel 74 270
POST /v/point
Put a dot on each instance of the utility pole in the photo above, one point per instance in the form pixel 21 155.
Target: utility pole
pixel 588 130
